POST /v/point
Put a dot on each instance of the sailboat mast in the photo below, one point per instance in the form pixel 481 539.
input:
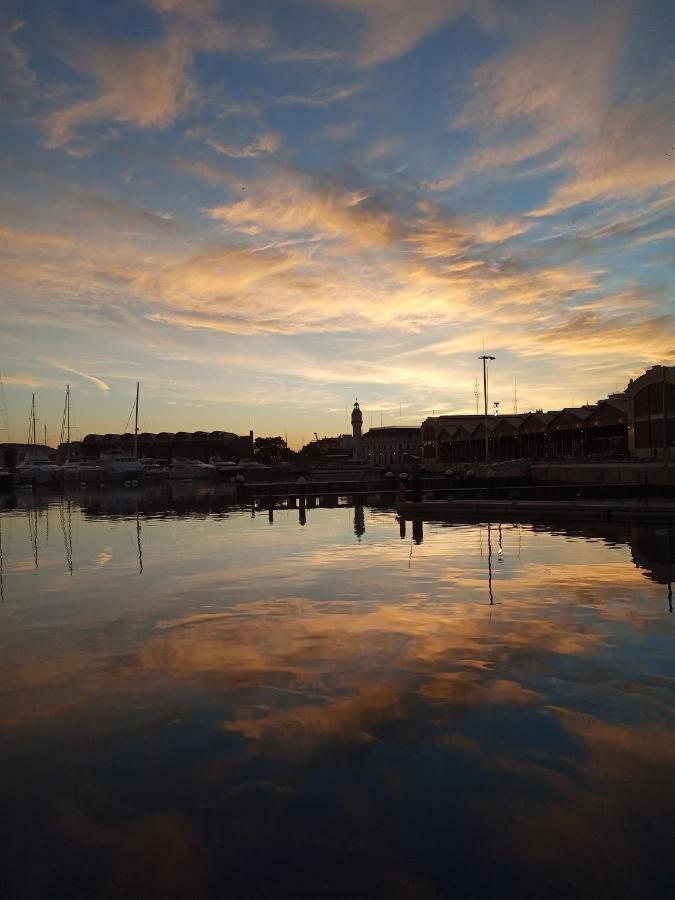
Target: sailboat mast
pixel 32 436
pixel 67 423
pixel 136 424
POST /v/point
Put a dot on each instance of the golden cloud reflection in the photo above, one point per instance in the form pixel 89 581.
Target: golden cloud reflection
pixel 335 699
pixel 316 671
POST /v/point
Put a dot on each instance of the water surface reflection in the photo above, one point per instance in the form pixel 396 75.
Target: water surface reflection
pixel 318 701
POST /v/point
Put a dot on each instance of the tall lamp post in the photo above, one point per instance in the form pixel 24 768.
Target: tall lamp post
pixel 485 358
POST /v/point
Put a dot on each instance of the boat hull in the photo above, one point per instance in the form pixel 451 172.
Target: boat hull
pixel 39 475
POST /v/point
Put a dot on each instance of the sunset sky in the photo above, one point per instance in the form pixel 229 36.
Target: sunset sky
pixel 261 210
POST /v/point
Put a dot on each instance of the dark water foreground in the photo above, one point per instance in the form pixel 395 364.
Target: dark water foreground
pixel 195 702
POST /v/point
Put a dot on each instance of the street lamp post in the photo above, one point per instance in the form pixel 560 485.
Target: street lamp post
pixel 485 358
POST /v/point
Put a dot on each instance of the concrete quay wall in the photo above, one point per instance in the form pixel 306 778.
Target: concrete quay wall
pixel 603 473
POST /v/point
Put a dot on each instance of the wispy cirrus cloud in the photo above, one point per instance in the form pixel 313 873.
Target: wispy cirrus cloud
pixel 387 29
pixel 25 379
pixel 547 88
pixel 306 54
pixel 294 203
pixel 630 154
pixel 16 75
pixel 98 382
pixel 143 85
pixel 147 84
pixel 321 97
pixel 266 143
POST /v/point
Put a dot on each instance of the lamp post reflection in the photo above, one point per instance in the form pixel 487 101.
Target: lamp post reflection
pixel 669 571
pixel 492 601
pixel 2 569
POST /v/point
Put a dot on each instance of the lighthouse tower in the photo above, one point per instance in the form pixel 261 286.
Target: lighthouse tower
pixel 357 422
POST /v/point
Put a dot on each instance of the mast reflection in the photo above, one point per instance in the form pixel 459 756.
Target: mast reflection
pixel 139 543
pixel 359 520
pixel 33 531
pixel 489 556
pixel 67 531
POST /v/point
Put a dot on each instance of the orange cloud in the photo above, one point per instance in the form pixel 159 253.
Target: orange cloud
pixel 143 85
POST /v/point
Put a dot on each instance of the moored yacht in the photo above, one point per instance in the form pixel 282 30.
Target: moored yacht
pixel 37 468
pixel 153 469
pixel 223 467
pixel 82 470
pixel 117 465
pixel 191 469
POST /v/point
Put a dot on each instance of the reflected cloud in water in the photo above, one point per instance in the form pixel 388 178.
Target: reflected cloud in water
pixel 339 708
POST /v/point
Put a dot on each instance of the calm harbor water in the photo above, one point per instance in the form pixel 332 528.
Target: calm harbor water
pixel 201 701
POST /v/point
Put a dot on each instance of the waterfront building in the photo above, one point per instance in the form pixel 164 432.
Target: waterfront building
pixel 651 414
pixel 638 423
pixel 598 430
pixel 13 453
pixel 389 445
pixel 200 445
pixel 456 438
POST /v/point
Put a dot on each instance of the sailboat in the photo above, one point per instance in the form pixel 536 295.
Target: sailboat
pixel 76 469
pixel 36 467
pixel 117 464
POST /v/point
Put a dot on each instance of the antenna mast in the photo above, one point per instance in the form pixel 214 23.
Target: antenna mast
pixel 3 409
pixel 515 396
